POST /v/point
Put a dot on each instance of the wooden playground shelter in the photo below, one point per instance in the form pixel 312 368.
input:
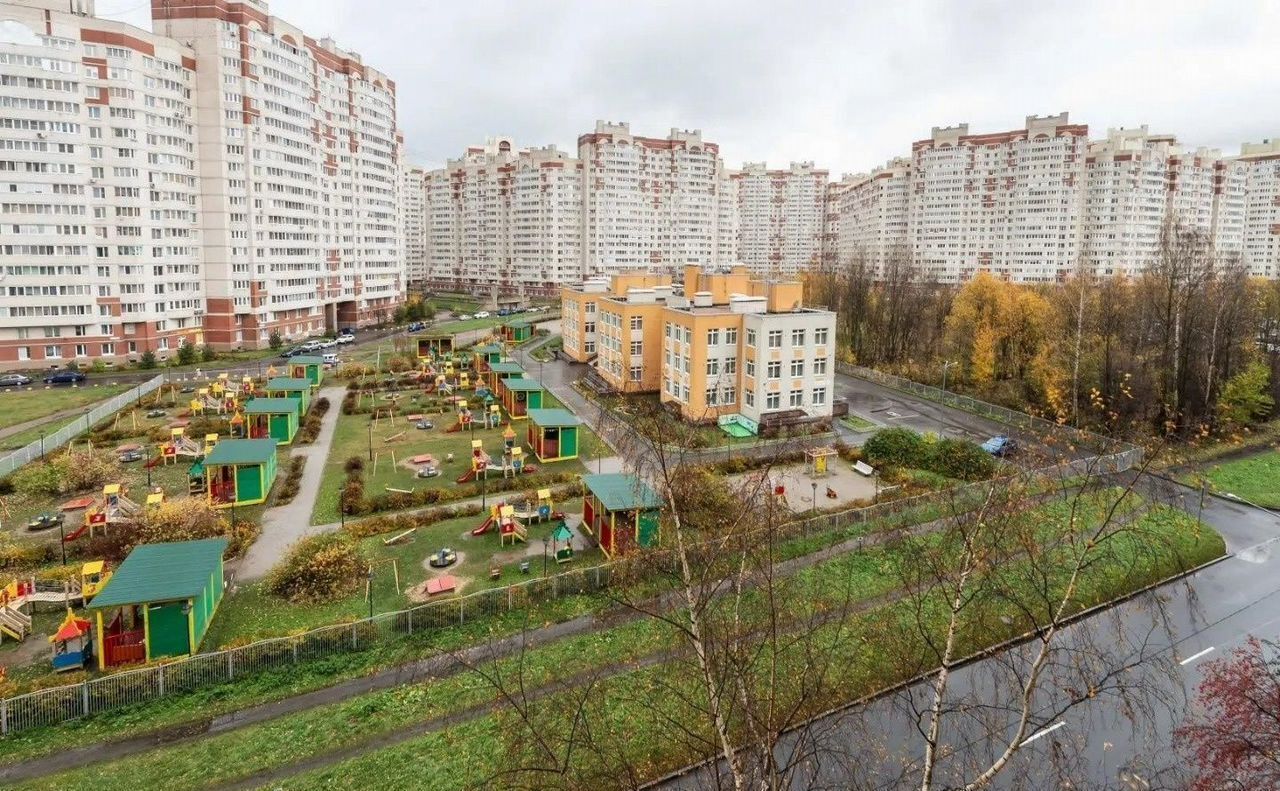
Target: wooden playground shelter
pixel 516 331
pixel 159 603
pixel 502 370
pixel 275 418
pixel 621 512
pixel 519 395
pixel 307 367
pixel 240 471
pixel 430 346
pixel 553 434
pixel 485 355
pixel 291 387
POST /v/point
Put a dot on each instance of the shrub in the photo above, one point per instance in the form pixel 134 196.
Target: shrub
pixel 207 354
pixel 292 481
pixel 190 519
pixel 900 447
pixel 960 458
pixel 318 569
pixel 186 354
pixel 354 464
pixel 147 361
pixel 275 341
pixel 69 471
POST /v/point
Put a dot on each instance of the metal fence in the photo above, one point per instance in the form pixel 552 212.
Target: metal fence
pixel 59 704
pixel 76 427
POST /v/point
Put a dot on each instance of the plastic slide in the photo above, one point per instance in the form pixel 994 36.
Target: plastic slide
pixel 484 526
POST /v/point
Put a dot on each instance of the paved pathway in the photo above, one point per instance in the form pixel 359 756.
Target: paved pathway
pixel 285 524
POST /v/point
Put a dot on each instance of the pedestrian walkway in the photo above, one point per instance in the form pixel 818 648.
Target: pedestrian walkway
pixel 285 524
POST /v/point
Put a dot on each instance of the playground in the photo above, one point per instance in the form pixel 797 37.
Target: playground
pixel 839 486
pixel 402 570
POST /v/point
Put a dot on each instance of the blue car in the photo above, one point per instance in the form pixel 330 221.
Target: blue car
pixel 999 446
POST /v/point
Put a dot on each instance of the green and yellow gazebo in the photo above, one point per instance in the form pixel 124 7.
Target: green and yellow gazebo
pixel 553 434
pixel 519 395
pixel 240 471
pixel 159 603
pixel 276 418
pixel 483 357
pixel 503 370
pixel 307 367
pixel 517 331
pixel 290 387
pixel 621 512
pixel 430 346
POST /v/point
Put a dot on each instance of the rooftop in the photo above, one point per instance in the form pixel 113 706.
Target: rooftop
pixel 272 406
pixel 506 368
pixel 551 418
pixel 521 384
pixel 618 491
pixel 306 359
pixel 162 572
pixel 241 451
pixel 287 383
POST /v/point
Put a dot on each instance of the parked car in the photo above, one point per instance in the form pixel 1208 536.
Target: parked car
pixel 64 378
pixel 331 359
pixel 423 425
pixel 14 380
pixel 328 343
pixel 465 317
pixel 1000 446
pixel 484 314
pixel 343 339
pixel 294 352
pixel 347 331
pixel 415 326
pixel 310 346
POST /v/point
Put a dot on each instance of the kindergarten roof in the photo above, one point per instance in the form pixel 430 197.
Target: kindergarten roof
pixel 241 451
pixel 272 406
pixel 521 384
pixel 162 572
pixel 619 491
pixel 488 348
pixel 552 418
pixel 306 359
pixel 506 368
pixel 518 323
pixel 286 383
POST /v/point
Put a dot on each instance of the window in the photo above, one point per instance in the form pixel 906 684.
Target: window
pixel 711 396
pixel 108 349
pixel 795 398
pixel 751 338
pixel 819 396
pixel 731 365
pixel 589 327
pixel 751 367
pixel 820 366
pixel 775 369
pixel 24 352
pixel 637 348
pixel 749 397
pixel 589 347
pixel 688 335
pixel 773 401
pixel 636 372
pixel 590 307
pixel 637 322
pixel 797 337
pixel 713 367
pixel 713 337
pixel 775 339
pixel 731 336
pixel 51 352
pixel 797 367
pixel 820 336
pixel 729 396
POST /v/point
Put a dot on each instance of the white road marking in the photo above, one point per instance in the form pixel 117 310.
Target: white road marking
pixel 1042 732
pixel 901 417
pixel 1195 656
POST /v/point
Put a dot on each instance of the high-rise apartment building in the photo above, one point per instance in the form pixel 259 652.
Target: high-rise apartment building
pixel 299 170
pixel 99 191
pixel 413 223
pixel 873 211
pixel 503 219
pixel 1261 226
pixel 651 202
pixel 781 217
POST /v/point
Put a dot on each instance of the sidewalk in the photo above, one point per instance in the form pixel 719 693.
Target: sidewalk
pixel 285 524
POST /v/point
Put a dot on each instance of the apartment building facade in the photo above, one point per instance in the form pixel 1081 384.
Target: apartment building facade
pixel 413 224
pixel 781 218
pixel 1260 231
pixel 872 211
pixel 99 191
pixel 504 220
pixel 299 166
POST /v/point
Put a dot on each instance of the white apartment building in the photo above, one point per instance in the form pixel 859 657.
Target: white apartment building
pixel 872 211
pixel 504 220
pixel 651 202
pixel 1261 226
pixel 413 223
pixel 99 196
pixel 781 217
pixel 299 169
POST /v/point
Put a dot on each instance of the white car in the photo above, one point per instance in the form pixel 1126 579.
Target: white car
pixel 346 339
pixel 484 314
pixel 310 346
pixel 328 343
pixel 465 317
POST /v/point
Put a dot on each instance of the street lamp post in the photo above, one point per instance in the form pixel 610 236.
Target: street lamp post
pixel 370 579
pixel 342 511
pixel 945 366
pixel 42 445
pixel 63 542
pixel 484 485
pixel 371 438
pixel 815 497
pixel 545 542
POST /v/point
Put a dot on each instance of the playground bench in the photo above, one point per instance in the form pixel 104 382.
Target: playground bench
pixel 864 469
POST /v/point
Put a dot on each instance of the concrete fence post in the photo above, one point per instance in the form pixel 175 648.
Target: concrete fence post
pixel 231 665
pixel 84 698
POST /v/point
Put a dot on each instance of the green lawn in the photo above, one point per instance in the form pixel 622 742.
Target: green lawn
pixel 458 303
pixel 250 613
pixel 352 438
pixel 855 422
pixel 20 405
pixel 1254 478
pixel 465 754
pixel 454 327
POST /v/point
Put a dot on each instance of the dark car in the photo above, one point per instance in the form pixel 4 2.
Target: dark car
pixel 1000 446
pixel 347 331
pixel 294 352
pixel 415 326
pixel 14 380
pixel 64 378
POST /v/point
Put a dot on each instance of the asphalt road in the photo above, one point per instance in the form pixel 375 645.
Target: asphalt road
pixel 1102 744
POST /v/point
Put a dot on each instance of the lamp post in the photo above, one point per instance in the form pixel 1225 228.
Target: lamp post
pixel 945 366
pixel 342 511
pixel 371 437
pixel 369 577
pixel 42 445
pixel 484 484
pixel 545 543
pixel 815 496
pixel 63 542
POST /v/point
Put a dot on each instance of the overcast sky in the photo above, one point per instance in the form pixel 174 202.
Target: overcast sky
pixel 846 84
